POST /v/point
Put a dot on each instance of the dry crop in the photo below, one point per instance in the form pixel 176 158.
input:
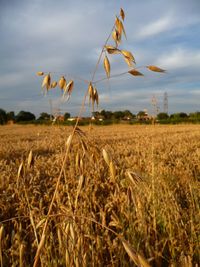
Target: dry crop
pixel 129 195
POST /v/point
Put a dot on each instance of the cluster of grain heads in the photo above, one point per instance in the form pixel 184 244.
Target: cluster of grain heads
pixel 66 87
pixel 117 33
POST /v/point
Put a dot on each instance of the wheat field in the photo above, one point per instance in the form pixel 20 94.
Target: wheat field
pixel 128 195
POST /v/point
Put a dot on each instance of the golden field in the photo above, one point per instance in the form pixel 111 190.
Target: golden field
pixel 128 195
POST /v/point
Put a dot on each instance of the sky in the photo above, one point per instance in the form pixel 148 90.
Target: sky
pixel 65 37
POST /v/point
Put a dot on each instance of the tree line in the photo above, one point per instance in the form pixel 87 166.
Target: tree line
pixel 104 115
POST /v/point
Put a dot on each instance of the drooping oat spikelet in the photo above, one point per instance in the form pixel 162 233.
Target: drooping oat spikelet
pixel 96 96
pixel 156 69
pixel 130 251
pixel 62 82
pixel 47 82
pixel 112 50
pixel 107 66
pixel 21 166
pixel 135 72
pixel 30 159
pixel 68 88
pixel 137 258
pixel 120 27
pixel 53 84
pixel 69 140
pixel 91 92
pixel 128 55
pixel 116 37
pixel 40 73
pixel 143 262
pixel 106 157
pixel 122 14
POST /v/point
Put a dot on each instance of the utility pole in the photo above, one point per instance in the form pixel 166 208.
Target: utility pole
pixel 165 103
pixel 154 103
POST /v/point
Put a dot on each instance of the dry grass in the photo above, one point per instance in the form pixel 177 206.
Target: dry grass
pixel 145 192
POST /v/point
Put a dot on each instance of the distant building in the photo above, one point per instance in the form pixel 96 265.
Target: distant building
pixel 144 116
pixel 72 119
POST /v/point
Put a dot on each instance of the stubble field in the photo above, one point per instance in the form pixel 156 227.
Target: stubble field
pixel 135 204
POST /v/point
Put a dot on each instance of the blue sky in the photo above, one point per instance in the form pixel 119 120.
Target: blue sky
pixel 65 37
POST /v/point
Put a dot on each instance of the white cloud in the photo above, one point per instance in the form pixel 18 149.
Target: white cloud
pixel 156 27
pixel 179 58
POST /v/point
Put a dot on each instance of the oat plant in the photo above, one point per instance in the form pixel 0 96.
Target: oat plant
pixel 111 47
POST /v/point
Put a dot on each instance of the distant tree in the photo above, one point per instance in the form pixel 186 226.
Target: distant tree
pixel 162 116
pixel 25 116
pixel 118 115
pixel 141 113
pixel 128 114
pixel 11 116
pixel 195 115
pixel 106 114
pixel 3 116
pixel 183 115
pixel 66 116
pixel 172 116
pixel 44 116
pixel 178 116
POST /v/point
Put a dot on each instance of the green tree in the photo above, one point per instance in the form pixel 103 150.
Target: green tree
pixel 11 115
pixel 141 113
pixel 44 116
pixel 3 117
pixel 183 115
pixel 128 114
pixel 118 115
pixel 25 116
pixel 66 116
pixel 106 114
pixel 162 116
pixel 195 115
pixel 179 116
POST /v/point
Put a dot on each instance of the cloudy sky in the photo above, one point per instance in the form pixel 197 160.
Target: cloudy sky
pixel 66 37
